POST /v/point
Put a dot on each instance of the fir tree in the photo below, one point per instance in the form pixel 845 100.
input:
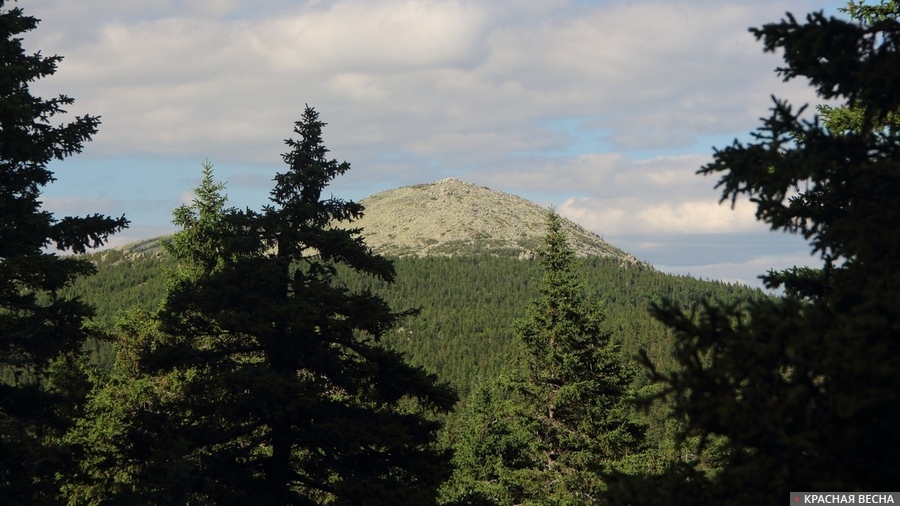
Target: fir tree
pixel 41 333
pixel 137 442
pixel 287 395
pixel 803 389
pixel 133 441
pixel 563 418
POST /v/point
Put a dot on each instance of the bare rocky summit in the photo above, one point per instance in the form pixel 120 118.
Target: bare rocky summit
pixel 452 217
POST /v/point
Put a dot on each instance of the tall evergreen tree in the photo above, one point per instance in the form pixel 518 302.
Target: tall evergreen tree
pixel 287 395
pixel 562 420
pixel 133 443
pixel 804 388
pixel 40 332
pixel 137 442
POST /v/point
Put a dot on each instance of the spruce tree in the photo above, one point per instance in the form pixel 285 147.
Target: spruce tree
pixel 803 388
pixel 136 440
pixel 41 333
pixel 563 418
pixel 133 442
pixel 285 394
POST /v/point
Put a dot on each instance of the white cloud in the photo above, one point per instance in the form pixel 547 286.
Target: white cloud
pixel 698 217
pixel 745 272
pixel 78 206
pixel 607 107
pixel 630 215
pixel 433 75
pixel 609 176
pixel 612 195
pixel 359 87
pixel 387 36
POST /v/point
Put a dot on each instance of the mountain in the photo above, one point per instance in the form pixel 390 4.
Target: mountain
pixel 452 217
pixel 464 255
pixel 464 260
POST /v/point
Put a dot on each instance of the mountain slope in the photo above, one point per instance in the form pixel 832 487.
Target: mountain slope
pixel 452 217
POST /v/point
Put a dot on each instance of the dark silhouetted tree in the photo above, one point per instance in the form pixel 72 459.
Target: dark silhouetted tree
pixel 804 388
pixel 284 393
pixel 41 333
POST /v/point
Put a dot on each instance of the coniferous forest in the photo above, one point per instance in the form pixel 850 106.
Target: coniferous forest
pixel 268 357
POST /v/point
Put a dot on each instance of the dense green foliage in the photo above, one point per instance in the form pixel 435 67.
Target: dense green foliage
pixel 803 389
pixel 464 329
pixel 260 359
pixel 41 332
pixel 559 419
pixel 261 379
pixel 467 304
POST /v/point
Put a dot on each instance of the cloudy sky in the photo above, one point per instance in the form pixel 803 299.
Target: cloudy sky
pixel 605 109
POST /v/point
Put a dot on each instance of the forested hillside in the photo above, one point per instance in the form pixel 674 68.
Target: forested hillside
pixel 467 304
pixel 467 309
pixel 477 355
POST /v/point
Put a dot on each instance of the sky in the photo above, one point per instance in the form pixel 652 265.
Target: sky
pixel 603 109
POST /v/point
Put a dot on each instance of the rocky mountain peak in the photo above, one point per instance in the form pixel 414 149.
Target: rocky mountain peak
pixel 453 217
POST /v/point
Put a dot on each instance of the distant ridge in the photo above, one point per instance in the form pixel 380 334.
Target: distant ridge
pixel 148 246
pixel 450 218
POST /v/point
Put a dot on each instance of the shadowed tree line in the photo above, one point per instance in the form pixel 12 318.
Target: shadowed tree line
pixel 272 369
